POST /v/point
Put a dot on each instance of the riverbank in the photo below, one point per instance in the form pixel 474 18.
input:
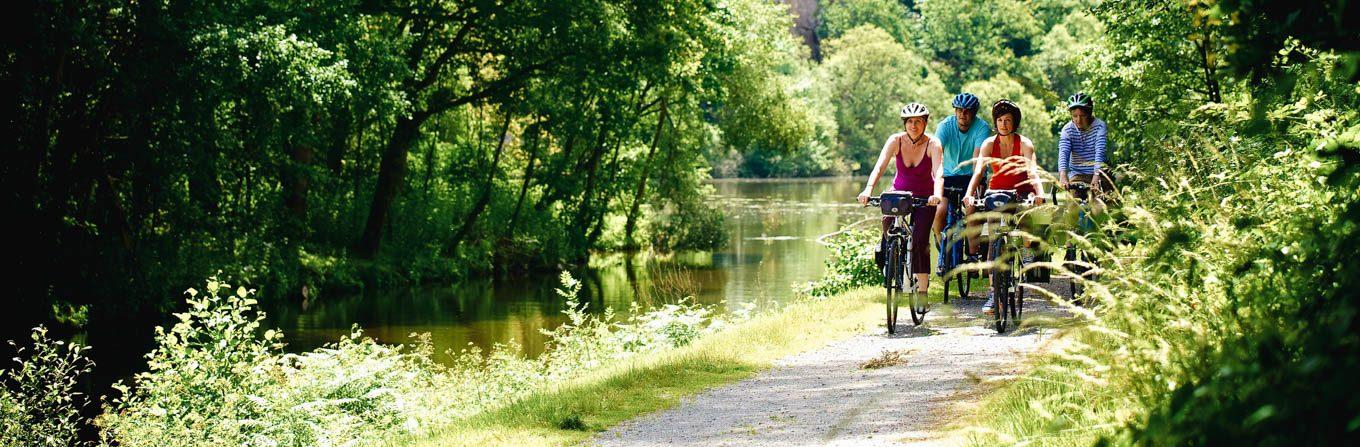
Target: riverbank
pixel 574 411
pixel 769 228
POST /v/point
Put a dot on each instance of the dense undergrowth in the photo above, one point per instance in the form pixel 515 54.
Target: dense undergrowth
pixel 218 378
pixel 1227 287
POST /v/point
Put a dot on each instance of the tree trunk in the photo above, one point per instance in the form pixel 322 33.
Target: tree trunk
pixel 296 184
pixel 640 192
pixel 528 178
pixel 1207 64
pixel 585 212
pixel 485 197
pixel 391 175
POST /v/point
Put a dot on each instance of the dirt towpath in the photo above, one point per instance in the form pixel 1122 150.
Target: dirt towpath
pixel 828 397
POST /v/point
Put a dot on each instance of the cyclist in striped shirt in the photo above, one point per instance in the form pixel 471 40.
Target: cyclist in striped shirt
pixel 1081 145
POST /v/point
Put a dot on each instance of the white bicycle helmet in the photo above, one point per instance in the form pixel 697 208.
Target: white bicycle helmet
pixel 914 109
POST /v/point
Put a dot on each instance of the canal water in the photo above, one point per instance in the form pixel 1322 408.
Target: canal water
pixel 771 227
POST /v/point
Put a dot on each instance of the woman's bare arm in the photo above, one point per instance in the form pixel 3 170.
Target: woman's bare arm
pixel 888 152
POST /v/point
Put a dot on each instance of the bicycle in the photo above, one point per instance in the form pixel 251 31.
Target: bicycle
pixel 952 246
pixel 897 274
pixel 1076 259
pixel 1008 256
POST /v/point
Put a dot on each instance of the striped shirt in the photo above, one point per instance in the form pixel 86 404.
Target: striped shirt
pixel 1081 152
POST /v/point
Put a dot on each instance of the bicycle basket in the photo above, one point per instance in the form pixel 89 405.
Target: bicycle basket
pixel 896 203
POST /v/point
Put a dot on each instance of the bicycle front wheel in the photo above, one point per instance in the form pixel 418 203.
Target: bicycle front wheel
pixel 1001 277
pixel 1018 287
pixel 1074 281
pixel 891 280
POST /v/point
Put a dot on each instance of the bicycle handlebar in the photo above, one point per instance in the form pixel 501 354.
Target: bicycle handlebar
pixel 915 201
pixel 1081 188
pixel 982 201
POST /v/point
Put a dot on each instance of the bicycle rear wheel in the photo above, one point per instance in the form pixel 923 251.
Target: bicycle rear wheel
pixel 1074 282
pixel 966 284
pixel 966 278
pixel 907 284
pixel 947 263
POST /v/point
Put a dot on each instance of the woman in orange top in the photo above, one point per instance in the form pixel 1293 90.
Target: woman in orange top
pixel 1014 172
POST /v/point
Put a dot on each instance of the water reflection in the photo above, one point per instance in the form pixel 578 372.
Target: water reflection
pixel 772 228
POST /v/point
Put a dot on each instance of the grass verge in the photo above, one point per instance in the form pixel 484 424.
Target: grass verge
pixel 573 411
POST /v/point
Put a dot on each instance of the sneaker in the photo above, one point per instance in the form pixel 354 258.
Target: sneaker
pixel 988 307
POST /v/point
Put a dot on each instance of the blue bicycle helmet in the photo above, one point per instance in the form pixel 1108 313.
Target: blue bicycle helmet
pixel 966 101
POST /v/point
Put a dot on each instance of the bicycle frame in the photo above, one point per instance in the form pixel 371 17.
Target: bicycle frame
pixel 953 246
pixel 897 274
pixel 1076 257
pixel 1007 263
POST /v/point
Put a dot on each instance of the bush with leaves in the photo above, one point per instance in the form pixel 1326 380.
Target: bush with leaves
pixel 850 265
pixel 39 404
pixel 216 379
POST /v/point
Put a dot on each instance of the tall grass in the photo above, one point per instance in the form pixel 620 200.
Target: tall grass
pixel 1227 289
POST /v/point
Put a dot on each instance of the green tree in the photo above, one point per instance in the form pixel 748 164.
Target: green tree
pixel 1061 50
pixel 838 17
pixel 872 76
pixel 978 40
pixel 1038 118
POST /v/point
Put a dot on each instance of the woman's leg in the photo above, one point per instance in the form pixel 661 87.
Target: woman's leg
pixel 921 219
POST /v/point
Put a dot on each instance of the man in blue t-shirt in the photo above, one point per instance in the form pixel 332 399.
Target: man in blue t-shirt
pixel 961 135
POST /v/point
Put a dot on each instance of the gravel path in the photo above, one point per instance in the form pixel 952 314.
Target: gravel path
pixel 825 397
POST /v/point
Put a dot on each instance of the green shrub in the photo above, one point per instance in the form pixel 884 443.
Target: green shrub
pixel 850 264
pixel 215 378
pixel 39 404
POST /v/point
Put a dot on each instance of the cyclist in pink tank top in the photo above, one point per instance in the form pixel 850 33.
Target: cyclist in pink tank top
pixel 918 156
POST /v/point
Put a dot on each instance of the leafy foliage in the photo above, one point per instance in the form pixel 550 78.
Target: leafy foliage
pixel 215 379
pixel 39 401
pixel 399 142
pixel 1228 299
pixel 849 266
pixel 874 76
